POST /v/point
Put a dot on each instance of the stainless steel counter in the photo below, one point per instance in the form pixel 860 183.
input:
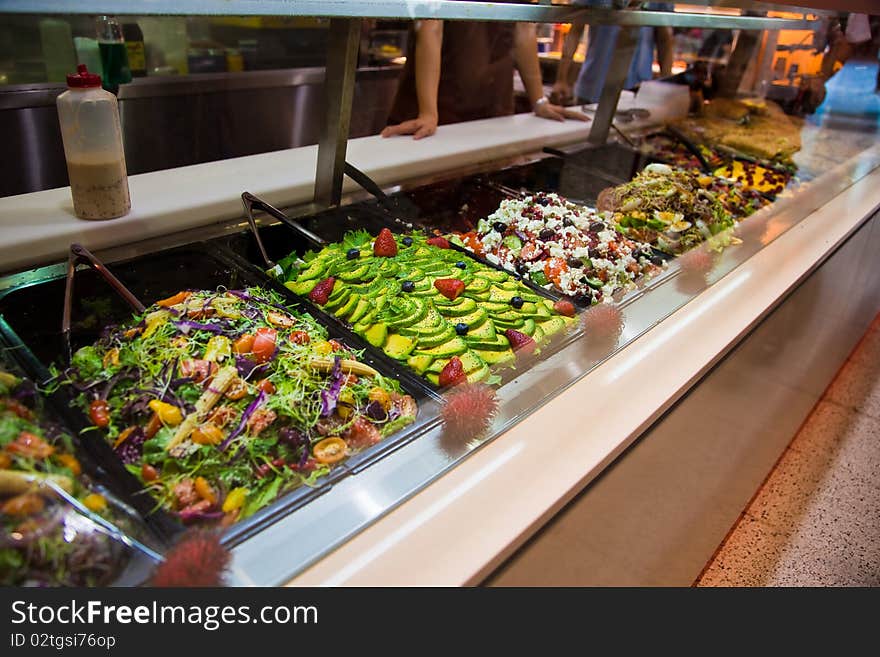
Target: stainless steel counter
pixel 180 120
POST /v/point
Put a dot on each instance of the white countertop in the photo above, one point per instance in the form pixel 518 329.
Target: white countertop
pixel 38 228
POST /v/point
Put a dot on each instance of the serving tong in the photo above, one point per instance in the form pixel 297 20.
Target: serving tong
pixel 252 202
pixel 81 255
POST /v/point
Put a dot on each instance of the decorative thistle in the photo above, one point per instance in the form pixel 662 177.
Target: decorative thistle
pixel 198 559
pixel 469 410
pixel 697 262
pixel 602 323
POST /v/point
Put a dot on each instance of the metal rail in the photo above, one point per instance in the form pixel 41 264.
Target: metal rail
pixel 441 9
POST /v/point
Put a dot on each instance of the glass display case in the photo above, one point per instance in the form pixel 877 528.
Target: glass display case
pixel 426 348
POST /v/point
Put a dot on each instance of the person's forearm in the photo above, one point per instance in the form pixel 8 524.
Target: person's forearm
pixel 526 57
pixel 429 45
pixel 665 49
pixel 569 47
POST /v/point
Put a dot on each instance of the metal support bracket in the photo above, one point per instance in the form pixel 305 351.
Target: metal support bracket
pixel 342 50
pixel 624 50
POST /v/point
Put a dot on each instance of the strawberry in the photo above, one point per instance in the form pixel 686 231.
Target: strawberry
pixel 520 342
pixel 385 246
pixel 452 373
pixel 564 307
pixel 449 287
pixel 440 242
pixel 321 292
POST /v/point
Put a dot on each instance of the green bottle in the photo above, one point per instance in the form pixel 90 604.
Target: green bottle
pixel 114 55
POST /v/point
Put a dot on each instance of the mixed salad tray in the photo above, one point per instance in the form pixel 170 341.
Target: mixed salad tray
pixel 50 509
pixel 228 403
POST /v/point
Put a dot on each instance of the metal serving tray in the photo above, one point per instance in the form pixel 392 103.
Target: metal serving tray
pixel 29 323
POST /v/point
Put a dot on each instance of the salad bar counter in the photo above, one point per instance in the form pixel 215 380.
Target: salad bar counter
pixel 308 387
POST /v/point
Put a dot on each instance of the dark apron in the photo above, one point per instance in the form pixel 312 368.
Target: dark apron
pixel 476 74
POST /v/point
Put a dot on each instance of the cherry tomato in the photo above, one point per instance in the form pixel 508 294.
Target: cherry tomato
pixel 180 297
pixel 330 450
pixel 244 344
pixel 336 345
pixel 299 337
pixel 149 473
pixel 266 386
pixel 31 446
pixel 237 390
pixel 99 413
pixel 264 344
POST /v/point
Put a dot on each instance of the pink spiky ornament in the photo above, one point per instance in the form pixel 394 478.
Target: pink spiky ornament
pixel 469 410
pixel 602 323
pixel 697 262
pixel 198 559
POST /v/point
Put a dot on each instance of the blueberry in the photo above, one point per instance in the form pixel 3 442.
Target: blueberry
pixel 547 234
pixel 408 286
pixel 517 302
pixel 460 265
pixel 499 226
pixel 353 253
pixel 597 226
pixel 407 241
pixel 461 328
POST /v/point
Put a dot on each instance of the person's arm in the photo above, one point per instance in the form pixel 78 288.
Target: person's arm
pixel 562 87
pixel 525 53
pixel 429 45
pixel 663 35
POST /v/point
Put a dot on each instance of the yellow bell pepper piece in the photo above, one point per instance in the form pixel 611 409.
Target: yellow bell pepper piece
pixel 168 413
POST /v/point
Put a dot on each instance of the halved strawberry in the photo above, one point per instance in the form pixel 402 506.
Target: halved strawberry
pixel 452 373
pixel 440 242
pixel 385 246
pixel 564 307
pixel 520 342
pixel 321 292
pixel 449 287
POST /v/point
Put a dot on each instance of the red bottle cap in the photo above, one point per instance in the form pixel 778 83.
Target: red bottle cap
pixel 82 78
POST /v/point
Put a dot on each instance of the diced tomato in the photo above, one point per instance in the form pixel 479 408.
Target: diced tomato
pixel 244 344
pixel 554 268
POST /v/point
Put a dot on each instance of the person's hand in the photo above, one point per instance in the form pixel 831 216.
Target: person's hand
pixel 548 110
pixel 561 93
pixel 419 128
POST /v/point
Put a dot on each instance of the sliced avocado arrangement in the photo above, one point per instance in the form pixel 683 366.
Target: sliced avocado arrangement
pixel 392 301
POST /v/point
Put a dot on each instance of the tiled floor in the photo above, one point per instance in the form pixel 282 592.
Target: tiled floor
pixel 816 520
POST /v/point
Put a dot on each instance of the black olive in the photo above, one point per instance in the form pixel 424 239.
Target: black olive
pixel 594 253
pixel 460 265
pixel 353 253
pixel 656 260
pixel 547 234
pixel 597 226
pixel 583 279
pixel 521 267
pixel 574 262
pixel 407 241
pixel 408 286
pixel 499 226
pixel 543 200
pixel 461 328
pixel 517 302
pixel 567 222
pixel 583 299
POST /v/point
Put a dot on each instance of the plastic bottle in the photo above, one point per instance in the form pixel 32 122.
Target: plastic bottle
pixel 92 136
pixel 134 46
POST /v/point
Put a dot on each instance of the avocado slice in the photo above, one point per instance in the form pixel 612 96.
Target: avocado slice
pixel 528 326
pixel 553 325
pixel 333 304
pixel 474 319
pixel 398 347
pixel 362 308
pixel 470 361
pixel 419 364
pixel 315 270
pixel 478 374
pixel 500 343
pixel 301 288
pixel 479 284
pixel 377 334
pixel 348 306
pixel 496 357
pixel 465 306
pixel 356 274
pixel 436 339
pixel 493 275
pixel 486 331
pixel 452 347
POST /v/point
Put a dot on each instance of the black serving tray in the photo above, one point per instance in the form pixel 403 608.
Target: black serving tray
pixel 30 321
